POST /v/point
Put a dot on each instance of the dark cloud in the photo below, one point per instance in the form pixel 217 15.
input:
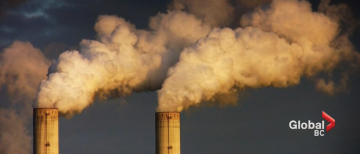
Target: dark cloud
pixel 5 5
pixel 70 21
pixel 53 50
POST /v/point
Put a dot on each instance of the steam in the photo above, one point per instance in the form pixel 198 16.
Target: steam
pixel 182 56
pixel 22 67
pixel 190 61
pixel 329 87
pixel 122 60
pixel 277 46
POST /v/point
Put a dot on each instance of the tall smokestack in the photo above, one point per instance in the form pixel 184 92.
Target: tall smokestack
pixel 46 131
pixel 167 132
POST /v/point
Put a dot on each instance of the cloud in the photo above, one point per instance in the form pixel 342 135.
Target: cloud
pixel 5 5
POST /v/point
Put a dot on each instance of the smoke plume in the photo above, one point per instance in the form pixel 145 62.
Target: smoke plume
pixel 22 67
pixel 276 46
pixel 122 60
pixel 190 61
pixel 182 56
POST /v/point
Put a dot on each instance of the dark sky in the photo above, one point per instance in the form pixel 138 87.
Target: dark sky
pixel 259 123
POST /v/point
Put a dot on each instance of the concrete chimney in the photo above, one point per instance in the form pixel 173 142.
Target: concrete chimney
pixel 167 127
pixel 46 131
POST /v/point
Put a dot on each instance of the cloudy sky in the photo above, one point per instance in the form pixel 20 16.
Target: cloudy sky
pixel 258 123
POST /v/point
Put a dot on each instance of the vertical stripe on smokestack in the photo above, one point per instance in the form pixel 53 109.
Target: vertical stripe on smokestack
pixel 167 132
pixel 46 131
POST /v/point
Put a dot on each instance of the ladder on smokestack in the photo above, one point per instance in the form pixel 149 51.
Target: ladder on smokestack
pixel 169 146
pixel 47 143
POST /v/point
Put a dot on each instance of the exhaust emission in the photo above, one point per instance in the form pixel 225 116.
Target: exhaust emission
pixel 46 131
pixel 167 127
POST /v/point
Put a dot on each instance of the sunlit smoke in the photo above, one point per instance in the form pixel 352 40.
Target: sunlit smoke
pixel 187 55
pixel 191 59
pixel 276 46
pixel 122 60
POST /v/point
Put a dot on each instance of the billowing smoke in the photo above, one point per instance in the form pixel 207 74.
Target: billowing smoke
pixel 276 46
pixel 191 61
pixel 122 60
pixel 182 55
pixel 22 67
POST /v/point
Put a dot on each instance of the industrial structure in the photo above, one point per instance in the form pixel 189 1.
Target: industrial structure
pixel 46 131
pixel 167 127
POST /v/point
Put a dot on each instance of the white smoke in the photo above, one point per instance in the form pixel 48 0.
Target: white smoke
pixel 182 54
pixel 22 67
pixel 121 61
pixel 277 46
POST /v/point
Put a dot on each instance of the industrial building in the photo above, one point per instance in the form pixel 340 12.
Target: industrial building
pixel 167 127
pixel 46 131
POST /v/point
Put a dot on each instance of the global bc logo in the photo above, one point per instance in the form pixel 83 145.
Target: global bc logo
pixel 318 126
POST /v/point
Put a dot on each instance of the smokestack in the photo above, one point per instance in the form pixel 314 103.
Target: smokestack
pixel 167 132
pixel 46 131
